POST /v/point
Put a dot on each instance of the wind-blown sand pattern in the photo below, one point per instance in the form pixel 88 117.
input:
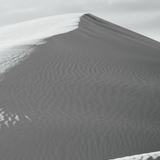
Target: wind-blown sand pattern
pixel 89 94
pixel 17 41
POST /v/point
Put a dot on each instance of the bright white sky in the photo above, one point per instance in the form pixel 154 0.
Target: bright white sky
pixel 142 16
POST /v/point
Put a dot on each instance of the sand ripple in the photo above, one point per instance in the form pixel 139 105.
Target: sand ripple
pixel 90 94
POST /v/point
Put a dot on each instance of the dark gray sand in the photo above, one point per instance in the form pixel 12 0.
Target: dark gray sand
pixel 90 94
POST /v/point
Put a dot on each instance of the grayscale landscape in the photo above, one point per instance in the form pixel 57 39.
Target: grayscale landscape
pixel 78 87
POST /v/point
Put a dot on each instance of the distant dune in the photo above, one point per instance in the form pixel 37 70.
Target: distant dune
pixel 82 89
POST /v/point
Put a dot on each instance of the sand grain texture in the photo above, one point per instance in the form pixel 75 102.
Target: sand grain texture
pixel 90 94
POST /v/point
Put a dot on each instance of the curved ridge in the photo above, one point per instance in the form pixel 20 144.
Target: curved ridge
pixel 18 41
pixel 32 31
pixel 144 156
pixel 89 94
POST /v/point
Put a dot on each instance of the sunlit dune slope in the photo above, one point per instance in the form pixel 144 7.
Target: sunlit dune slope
pixel 89 94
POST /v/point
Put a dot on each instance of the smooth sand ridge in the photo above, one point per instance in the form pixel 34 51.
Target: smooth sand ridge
pixel 34 30
pixel 17 41
pixel 89 94
pixel 145 156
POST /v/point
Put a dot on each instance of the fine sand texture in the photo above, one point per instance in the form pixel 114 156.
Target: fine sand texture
pixel 90 94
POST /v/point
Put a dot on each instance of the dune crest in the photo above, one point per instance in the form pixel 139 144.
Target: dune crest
pixel 145 156
pixel 30 32
pixel 89 94
pixel 18 40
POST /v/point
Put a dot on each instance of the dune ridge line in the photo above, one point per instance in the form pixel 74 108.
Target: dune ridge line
pixel 17 41
pixel 143 156
pixel 89 94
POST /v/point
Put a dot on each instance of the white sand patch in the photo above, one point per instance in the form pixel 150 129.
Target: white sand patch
pixel 144 156
pixel 31 33
pixel 9 119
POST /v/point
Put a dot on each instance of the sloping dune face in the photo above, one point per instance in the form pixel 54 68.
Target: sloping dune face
pixel 17 41
pixel 89 94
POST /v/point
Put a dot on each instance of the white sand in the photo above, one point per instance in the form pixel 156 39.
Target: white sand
pixel 27 34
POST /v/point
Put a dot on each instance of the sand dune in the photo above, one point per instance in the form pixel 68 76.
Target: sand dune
pixel 145 156
pixel 17 41
pixel 89 94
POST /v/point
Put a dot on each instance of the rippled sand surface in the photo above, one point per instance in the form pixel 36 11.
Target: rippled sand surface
pixel 90 94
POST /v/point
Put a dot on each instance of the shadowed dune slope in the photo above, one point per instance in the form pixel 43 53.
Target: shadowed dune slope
pixel 90 94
